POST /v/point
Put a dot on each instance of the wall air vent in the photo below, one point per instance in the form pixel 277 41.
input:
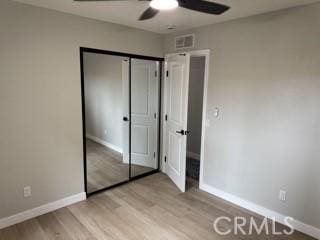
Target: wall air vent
pixel 184 41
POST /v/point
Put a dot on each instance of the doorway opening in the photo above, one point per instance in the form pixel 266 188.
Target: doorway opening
pixel 195 106
pixel 185 94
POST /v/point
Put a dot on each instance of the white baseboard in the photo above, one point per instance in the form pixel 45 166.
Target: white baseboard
pixel 193 155
pixel 104 143
pixel 38 211
pixel 299 226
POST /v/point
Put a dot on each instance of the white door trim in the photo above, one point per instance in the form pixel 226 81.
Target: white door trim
pixel 205 53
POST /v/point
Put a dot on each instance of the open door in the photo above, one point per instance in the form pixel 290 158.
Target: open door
pixel 177 83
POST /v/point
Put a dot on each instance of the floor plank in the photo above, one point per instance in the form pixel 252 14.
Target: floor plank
pixel 149 208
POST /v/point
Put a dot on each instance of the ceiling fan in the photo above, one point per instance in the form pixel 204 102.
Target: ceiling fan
pixel 157 5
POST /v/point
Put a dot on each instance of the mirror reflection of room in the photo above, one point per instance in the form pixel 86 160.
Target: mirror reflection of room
pixel 106 104
pixel 144 116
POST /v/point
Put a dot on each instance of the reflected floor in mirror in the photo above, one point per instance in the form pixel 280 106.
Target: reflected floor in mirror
pixel 105 167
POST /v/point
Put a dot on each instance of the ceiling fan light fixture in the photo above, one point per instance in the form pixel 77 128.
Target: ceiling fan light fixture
pixel 164 4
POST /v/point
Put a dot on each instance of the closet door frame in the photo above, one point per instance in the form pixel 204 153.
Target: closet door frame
pixel 130 57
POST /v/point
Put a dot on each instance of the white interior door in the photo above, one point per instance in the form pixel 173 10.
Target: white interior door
pixel 144 112
pixel 177 83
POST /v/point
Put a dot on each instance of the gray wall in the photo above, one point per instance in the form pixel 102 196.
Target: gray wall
pixel 40 101
pixel 103 94
pixel 264 76
pixel 196 81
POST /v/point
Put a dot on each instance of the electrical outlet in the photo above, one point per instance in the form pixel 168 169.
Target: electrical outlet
pixel 27 191
pixel 282 195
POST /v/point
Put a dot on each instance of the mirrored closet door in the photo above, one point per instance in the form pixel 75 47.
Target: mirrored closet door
pixel 121 117
pixel 106 106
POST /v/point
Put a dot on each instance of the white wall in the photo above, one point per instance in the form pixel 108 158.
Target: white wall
pixel 196 81
pixel 40 100
pixel 103 94
pixel 265 78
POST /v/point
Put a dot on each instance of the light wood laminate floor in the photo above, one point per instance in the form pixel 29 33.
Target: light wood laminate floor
pixel 149 208
pixel 106 168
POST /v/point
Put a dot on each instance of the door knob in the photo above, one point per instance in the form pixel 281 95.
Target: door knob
pixel 126 119
pixel 181 132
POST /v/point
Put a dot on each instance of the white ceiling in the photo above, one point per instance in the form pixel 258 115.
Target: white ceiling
pixel 127 12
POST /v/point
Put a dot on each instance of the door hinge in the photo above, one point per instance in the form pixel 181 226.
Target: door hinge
pixel 155 116
pixel 156 73
pixel 165 158
pixel 166 117
pixel 167 73
pixel 154 155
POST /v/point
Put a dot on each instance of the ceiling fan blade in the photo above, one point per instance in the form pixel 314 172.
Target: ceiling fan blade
pixel 204 6
pixel 149 13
